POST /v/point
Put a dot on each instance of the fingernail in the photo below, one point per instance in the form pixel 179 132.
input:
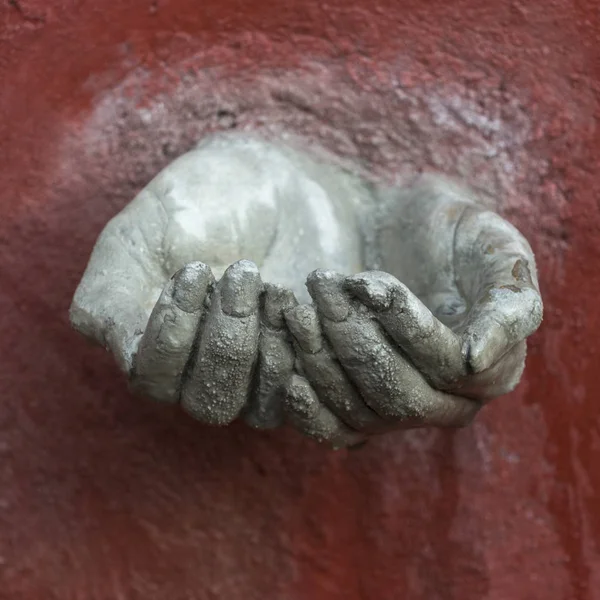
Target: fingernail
pixel 372 289
pixel 482 350
pixel 325 288
pixel 304 325
pixel 240 288
pixel 190 286
pixel 277 301
pixel 301 399
pixel 474 356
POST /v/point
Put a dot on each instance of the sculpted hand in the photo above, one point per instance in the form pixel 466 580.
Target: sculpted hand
pixel 148 295
pixel 424 340
pixel 425 348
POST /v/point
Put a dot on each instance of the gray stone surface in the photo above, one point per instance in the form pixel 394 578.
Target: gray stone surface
pixel 415 311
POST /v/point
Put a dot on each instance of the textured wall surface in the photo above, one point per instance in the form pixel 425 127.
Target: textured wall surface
pixel 103 496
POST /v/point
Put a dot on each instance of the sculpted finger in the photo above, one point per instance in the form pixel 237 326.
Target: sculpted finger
pixel 500 379
pixel 275 361
pixel 497 322
pixel 496 269
pixel 326 375
pixel 312 418
pixel 169 336
pixel 217 381
pixel 431 346
pixel 386 380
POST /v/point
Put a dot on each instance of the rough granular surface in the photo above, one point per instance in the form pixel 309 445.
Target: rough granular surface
pixel 105 496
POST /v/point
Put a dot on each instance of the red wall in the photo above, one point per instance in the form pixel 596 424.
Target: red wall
pixel 104 496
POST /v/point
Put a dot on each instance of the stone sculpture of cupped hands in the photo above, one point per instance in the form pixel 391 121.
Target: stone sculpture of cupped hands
pixel 419 299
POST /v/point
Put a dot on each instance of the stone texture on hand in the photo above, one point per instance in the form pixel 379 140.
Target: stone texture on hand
pixel 219 349
pixel 425 339
pixel 384 357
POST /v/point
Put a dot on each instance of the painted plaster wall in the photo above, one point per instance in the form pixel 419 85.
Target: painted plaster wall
pixel 105 496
